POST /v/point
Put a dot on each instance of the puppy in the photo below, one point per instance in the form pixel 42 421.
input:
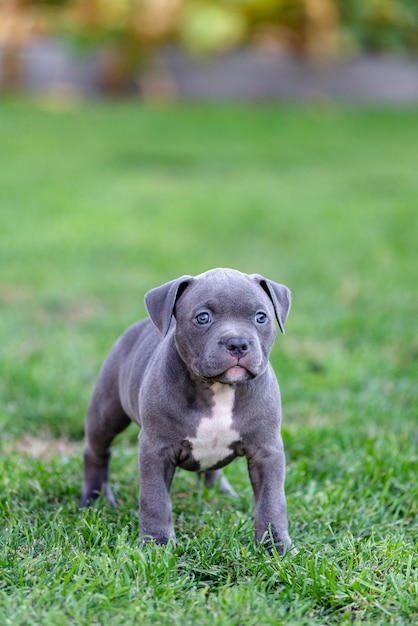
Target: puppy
pixel 196 378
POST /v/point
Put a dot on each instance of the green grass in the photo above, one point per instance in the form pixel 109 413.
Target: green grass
pixel 100 203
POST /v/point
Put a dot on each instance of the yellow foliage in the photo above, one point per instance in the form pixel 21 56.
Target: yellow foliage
pixel 207 28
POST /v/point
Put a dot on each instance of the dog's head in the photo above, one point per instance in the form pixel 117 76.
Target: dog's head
pixel 224 321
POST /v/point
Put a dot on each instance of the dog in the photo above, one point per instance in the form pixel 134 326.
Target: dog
pixel 196 377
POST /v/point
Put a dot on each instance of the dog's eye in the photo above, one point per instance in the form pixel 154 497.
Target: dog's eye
pixel 260 317
pixel 203 318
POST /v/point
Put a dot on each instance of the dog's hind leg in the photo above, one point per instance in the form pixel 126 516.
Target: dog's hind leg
pixel 105 420
pixel 212 476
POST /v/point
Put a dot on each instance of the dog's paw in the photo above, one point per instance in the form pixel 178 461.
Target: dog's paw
pixel 89 495
pixel 274 543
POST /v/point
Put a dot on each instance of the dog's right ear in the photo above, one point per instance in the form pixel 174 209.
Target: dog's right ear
pixel 160 302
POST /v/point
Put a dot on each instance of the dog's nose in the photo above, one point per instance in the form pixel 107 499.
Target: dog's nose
pixel 237 346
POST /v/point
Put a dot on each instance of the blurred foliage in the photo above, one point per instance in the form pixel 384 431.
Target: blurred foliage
pixel 379 25
pixel 130 30
pixel 209 26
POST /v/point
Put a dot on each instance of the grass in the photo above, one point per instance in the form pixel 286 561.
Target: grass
pixel 98 204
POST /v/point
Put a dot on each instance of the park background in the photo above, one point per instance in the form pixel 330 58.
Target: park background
pixel 291 151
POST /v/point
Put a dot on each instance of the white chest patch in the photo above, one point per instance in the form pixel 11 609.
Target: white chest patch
pixel 215 433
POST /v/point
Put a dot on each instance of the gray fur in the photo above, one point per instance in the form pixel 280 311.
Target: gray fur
pixel 179 375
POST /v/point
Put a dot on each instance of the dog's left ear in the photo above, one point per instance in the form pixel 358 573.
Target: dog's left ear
pixel 280 297
pixel 160 302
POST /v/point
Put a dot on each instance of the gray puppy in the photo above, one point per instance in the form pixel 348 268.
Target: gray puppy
pixel 196 378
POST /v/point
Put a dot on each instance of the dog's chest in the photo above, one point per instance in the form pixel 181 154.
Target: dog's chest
pixel 215 433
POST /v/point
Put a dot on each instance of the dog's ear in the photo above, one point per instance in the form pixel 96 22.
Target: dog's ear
pixel 160 302
pixel 280 297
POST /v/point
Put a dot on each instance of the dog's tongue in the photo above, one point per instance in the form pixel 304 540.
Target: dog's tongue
pixel 236 373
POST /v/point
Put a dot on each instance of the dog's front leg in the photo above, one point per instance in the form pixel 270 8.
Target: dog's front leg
pixel 156 473
pixel 266 466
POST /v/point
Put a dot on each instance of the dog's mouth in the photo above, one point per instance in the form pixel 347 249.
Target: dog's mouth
pixel 235 374
pixel 231 370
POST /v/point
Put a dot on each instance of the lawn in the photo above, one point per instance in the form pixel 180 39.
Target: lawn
pixel 101 202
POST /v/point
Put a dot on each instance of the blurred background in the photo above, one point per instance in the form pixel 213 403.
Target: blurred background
pixel 240 49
